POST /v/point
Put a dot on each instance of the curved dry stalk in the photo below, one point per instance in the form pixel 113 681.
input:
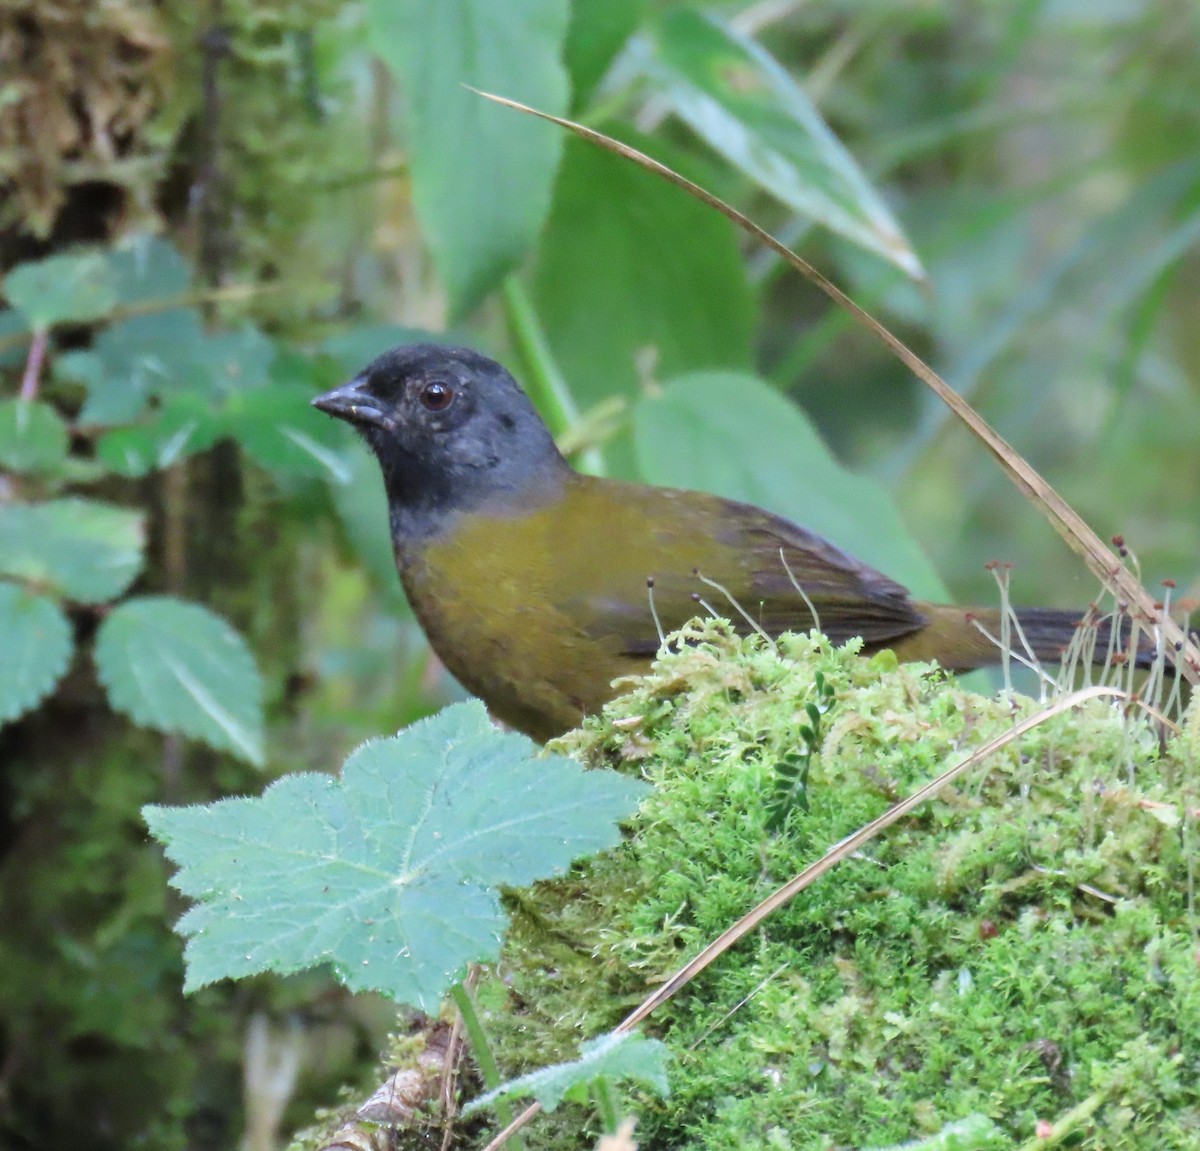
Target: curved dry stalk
pixel 1081 539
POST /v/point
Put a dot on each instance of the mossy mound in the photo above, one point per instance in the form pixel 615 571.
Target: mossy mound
pixel 1023 948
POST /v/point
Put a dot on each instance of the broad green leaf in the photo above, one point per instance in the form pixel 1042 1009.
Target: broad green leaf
pixel 389 873
pixel 183 425
pixel 229 361
pixel 175 666
pixel 148 268
pixel 482 174
pixel 160 354
pixel 86 550
pixel 733 435
pixel 632 269
pixel 130 362
pixel 615 1056
pixel 69 287
pixel 732 93
pixel 36 639
pixel 33 437
pixel 598 30
pixel 280 429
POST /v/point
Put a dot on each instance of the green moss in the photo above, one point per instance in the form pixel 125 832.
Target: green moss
pixel 1021 945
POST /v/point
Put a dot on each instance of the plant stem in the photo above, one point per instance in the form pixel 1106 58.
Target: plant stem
pixel 546 385
pixel 484 1057
pixel 602 1092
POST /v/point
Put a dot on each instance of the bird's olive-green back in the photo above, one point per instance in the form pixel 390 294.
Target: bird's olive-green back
pixel 538 611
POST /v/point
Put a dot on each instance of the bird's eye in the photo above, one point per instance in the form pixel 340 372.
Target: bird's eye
pixel 436 397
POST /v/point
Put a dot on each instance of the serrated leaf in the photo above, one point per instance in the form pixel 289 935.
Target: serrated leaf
pixel 147 268
pixel 730 91
pixel 87 550
pixel 33 437
pixel 180 427
pixel 36 639
pixel 615 1056
pixel 733 435
pixel 482 176
pixel 389 873
pixel 130 362
pixel 75 287
pixel 177 667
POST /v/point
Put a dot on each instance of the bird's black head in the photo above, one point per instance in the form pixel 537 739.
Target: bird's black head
pixel 453 432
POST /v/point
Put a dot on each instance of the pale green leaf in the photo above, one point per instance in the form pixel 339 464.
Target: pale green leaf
pixel 36 639
pixel 177 667
pixel 733 435
pixel 389 873
pixel 615 1056
pixel 33 437
pixel 482 174
pixel 730 91
pixel 87 550
pixel 181 426
pixel 75 287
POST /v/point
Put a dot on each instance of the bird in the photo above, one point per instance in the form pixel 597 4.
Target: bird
pixel 538 586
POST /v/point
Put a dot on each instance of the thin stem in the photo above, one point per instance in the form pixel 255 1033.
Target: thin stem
pixel 602 1092
pixel 33 365
pixel 546 385
pixel 485 1059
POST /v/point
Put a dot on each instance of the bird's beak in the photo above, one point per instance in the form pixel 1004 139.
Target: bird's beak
pixel 353 403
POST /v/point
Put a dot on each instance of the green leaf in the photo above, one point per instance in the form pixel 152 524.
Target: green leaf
pixel 391 872
pixel 598 30
pixel 482 174
pixel 732 93
pixel 733 435
pixel 629 266
pixel 361 503
pixel 182 426
pixel 130 362
pixel 33 437
pixel 87 550
pixel 280 429
pixel 36 639
pixel 617 1055
pixel 69 287
pixel 146 268
pixel 177 667
pixel 161 354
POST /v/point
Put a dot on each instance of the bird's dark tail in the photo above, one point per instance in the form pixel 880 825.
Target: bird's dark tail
pixel 1054 634
pixel 977 638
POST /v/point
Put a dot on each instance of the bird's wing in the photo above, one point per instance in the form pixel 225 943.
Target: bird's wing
pixel 757 558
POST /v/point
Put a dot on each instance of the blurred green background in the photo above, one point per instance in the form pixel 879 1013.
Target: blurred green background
pixel 211 210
